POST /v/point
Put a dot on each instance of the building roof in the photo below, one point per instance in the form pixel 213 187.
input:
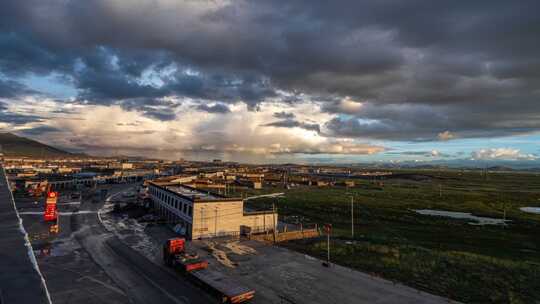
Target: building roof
pixel 193 194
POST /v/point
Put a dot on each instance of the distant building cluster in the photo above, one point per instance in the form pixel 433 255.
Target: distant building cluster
pixel 196 199
pixel 219 176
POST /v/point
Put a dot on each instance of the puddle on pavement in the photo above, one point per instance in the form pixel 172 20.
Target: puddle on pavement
pixel 129 231
pixel 56 248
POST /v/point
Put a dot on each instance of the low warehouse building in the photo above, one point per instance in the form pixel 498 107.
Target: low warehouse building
pixel 203 214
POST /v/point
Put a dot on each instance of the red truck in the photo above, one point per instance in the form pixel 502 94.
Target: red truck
pixel 175 256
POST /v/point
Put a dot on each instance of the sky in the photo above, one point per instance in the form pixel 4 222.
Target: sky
pixel 275 81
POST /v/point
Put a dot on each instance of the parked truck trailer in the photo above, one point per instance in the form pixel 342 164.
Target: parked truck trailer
pixel 191 265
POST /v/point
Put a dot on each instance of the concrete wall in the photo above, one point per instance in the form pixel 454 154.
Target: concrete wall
pixel 260 222
pixel 220 219
pixel 216 218
pixel 287 236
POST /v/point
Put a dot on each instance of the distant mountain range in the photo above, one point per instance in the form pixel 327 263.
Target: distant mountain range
pixel 490 165
pixel 13 145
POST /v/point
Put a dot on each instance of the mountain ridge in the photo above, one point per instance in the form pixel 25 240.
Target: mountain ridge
pixel 14 145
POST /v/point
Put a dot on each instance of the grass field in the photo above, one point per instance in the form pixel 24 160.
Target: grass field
pixel 448 257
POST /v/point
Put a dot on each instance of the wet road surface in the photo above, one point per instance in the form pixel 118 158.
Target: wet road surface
pixel 20 281
pixel 87 264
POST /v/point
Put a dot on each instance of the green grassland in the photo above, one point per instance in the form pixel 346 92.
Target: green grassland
pixel 448 257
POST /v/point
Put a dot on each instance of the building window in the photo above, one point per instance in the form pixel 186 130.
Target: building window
pixel 190 211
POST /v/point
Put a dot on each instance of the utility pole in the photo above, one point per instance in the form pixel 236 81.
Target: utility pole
pixel 328 247
pixel 202 223
pixel 440 190
pixel 328 228
pixel 504 222
pixel 215 224
pixel 352 217
pixel 504 215
pixel 274 219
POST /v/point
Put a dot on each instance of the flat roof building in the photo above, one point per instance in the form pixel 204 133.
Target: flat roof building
pixel 202 214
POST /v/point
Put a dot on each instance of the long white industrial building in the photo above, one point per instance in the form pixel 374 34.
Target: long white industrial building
pixel 204 214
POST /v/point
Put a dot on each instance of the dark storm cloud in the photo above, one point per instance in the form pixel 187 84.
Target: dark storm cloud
pixel 10 89
pixel 292 123
pixel 217 108
pixel 155 108
pixel 111 76
pixel 284 115
pixel 9 117
pixel 159 114
pixel 18 119
pixel 425 122
pixel 219 86
pixel 22 54
pixel 470 67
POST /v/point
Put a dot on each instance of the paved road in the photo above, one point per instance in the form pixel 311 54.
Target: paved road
pixel 141 280
pixel 20 281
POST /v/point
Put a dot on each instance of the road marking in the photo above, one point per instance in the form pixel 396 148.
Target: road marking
pixel 69 203
pixel 59 213
pixel 108 286
pixel 82 277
